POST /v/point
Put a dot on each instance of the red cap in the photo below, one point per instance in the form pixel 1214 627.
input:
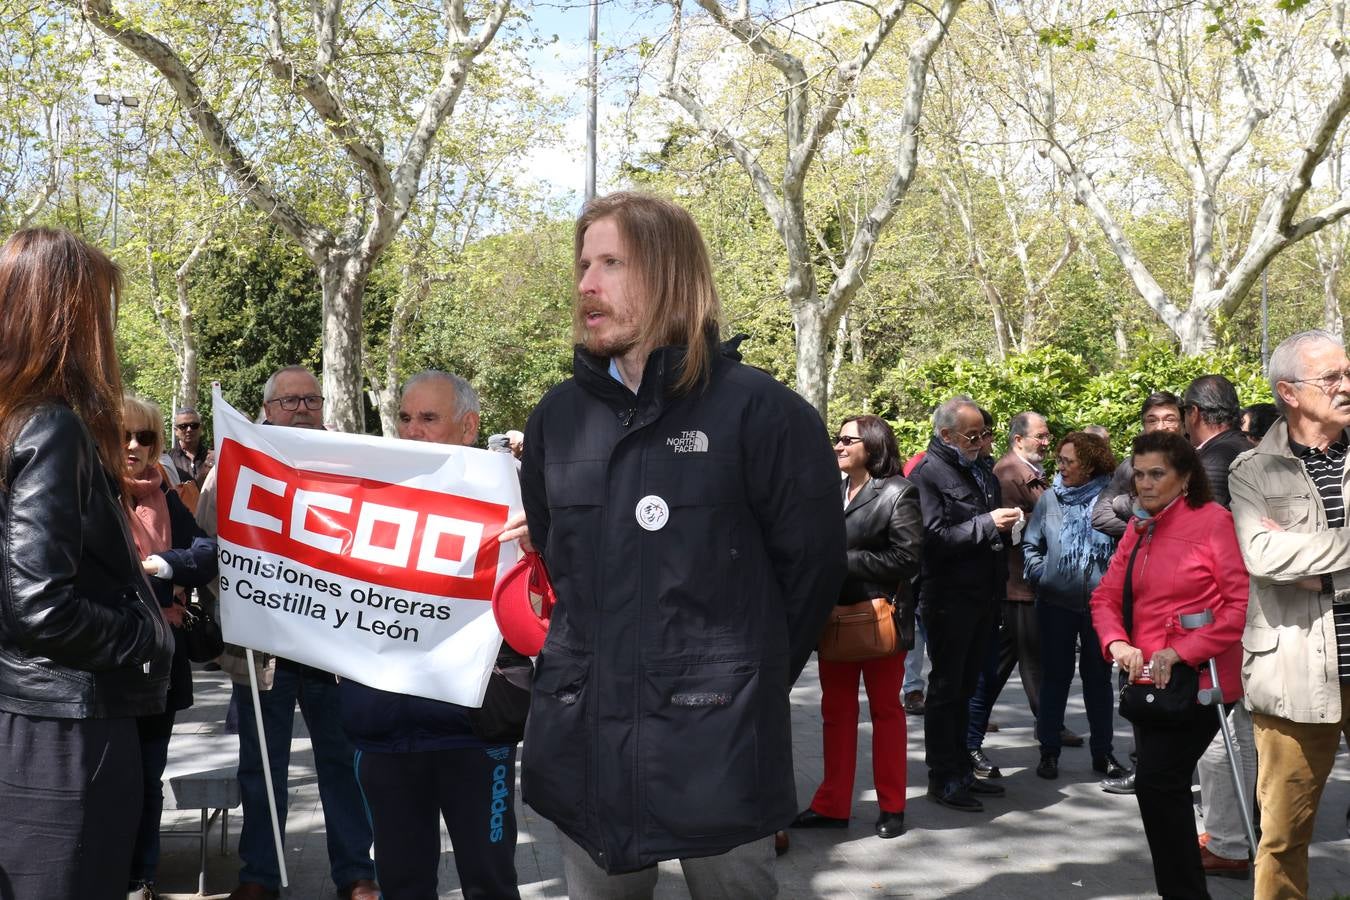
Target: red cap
pixel 522 603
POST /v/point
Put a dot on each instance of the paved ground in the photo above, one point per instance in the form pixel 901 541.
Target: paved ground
pixel 1063 839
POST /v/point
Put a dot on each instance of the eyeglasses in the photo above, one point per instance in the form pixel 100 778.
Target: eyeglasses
pixel 1327 381
pixel 291 403
pixel 145 438
pixel 847 441
pixel 187 426
pixel 1162 420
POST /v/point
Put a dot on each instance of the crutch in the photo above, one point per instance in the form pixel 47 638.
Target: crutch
pixel 1213 696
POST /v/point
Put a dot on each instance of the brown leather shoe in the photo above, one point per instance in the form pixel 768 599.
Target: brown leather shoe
pixel 249 890
pixel 914 703
pixel 781 843
pixel 360 889
pixel 1222 867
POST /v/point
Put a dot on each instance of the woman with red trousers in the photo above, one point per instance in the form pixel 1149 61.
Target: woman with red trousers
pixel 881 513
pixel 1180 558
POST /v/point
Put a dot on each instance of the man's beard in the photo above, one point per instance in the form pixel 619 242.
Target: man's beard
pixel 613 346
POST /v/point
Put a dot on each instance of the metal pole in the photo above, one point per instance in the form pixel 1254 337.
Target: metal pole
pixel 593 88
pixel 266 767
pixel 1265 319
pixel 1243 805
pixel 117 163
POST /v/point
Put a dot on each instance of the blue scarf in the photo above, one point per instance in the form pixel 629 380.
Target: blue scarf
pixel 1084 551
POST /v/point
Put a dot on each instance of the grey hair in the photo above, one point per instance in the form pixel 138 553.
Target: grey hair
pixel 1286 363
pixel 1099 430
pixel 1020 426
pixel 1216 400
pixel 270 388
pixel 466 398
pixel 947 414
pixel 186 411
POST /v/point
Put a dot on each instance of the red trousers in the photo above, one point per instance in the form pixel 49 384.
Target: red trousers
pixel 839 711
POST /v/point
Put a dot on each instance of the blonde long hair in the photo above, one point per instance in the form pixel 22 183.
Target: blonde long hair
pixel 673 272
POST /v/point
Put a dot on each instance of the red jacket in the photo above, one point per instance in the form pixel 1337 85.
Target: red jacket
pixel 1189 562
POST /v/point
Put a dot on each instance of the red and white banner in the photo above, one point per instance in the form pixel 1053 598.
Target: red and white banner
pixel 372 558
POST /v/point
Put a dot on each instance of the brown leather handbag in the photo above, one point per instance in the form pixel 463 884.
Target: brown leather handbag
pixel 861 631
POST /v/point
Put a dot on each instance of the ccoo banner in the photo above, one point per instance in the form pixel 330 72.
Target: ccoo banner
pixel 367 557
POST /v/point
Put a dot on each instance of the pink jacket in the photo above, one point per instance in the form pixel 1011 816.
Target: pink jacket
pixel 1189 562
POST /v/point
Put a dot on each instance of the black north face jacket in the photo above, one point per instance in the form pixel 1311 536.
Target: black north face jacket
pixel 659 724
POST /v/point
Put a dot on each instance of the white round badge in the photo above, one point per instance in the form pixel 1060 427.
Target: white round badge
pixel 652 513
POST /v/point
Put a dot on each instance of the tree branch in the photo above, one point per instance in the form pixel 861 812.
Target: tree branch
pixel 455 69
pixel 843 82
pixel 314 239
pixel 316 90
pixel 859 257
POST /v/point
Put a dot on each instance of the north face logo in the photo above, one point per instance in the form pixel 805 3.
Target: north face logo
pixel 689 442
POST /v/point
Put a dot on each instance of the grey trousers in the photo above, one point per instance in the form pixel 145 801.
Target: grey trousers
pixel 1223 818
pixel 742 873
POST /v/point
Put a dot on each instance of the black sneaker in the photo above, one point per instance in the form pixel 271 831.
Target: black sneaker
pixel 983 767
pixel 1049 766
pixel 954 795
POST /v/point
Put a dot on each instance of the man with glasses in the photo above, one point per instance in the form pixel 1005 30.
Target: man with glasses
pixel 190 454
pixel 1021 477
pixel 1161 412
pixel 1289 508
pixel 963 575
pixel 291 398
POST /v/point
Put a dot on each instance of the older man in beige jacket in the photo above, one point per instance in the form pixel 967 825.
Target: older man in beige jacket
pixel 1289 499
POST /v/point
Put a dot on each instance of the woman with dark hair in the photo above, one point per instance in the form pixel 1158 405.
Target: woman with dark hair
pixel 175 554
pixel 1257 419
pixel 84 650
pixel 1064 559
pixel 1179 558
pixel 881 514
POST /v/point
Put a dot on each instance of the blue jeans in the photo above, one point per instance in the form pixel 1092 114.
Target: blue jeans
pixel 154 732
pixel 1061 630
pixel 344 815
pixel 914 659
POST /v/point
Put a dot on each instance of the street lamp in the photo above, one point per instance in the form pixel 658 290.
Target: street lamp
pixel 116 101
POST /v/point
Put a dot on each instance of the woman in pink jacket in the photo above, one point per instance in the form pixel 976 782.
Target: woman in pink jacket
pixel 1182 557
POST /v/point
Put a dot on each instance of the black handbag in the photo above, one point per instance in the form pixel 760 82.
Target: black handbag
pixel 506 705
pixel 1172 706
pixel 200 633
pixel 1145 703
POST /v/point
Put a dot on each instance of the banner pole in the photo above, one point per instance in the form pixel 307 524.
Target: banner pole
pixel 266 767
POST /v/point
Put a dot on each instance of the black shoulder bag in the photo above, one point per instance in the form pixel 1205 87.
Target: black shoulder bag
pixel 1148 704
pixel 501 718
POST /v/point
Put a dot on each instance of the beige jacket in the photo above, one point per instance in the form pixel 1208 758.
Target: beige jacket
pixel 234 661
pixel 1289 663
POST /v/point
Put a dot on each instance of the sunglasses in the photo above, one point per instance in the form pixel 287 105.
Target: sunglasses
pixel 187 426
pixel 145 438
pixel 847 441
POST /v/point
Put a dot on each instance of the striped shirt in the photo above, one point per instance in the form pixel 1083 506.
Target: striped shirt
pixel 1326 468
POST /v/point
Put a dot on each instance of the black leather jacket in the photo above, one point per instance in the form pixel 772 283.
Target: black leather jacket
pixel 81 635
pixel 885 537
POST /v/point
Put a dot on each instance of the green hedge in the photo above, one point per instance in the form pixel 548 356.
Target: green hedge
pixel 1056 383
